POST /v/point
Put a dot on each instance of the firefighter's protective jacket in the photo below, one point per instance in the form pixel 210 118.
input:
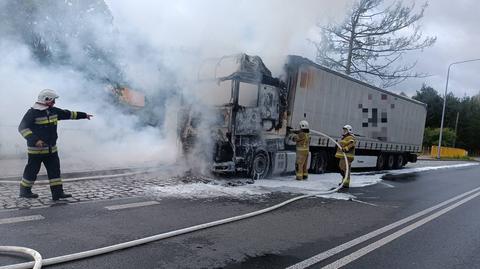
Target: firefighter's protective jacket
pixel 302 140
pixel 348 146
pixel 42 125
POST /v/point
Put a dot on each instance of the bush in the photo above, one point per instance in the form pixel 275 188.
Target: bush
pixel 431 136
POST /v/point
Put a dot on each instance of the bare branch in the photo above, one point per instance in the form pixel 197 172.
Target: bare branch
pixel 372 41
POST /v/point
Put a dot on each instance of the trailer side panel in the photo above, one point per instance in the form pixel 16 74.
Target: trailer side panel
pixel 382 120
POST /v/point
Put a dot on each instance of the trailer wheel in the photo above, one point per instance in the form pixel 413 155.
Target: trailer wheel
pixel 399 162
pixel 319 163
pixel 260 165
pixel 380 162
pixel 390 161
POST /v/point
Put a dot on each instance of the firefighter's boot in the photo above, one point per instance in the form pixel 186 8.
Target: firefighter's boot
pixel 58 193
pixel 26 192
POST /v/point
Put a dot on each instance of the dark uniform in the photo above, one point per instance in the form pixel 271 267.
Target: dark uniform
pixel 42 125
pixel 302 139
pixel 348 146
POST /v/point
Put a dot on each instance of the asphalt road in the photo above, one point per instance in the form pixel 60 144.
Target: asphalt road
pixel 445 237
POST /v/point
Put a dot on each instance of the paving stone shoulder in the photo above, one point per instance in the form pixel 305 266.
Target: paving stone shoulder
pixel 87 190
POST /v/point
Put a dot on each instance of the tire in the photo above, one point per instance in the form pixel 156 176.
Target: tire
pixel 319 163
pixel 390 161
pixel 260 165
pixel 380 162
pixel 399 162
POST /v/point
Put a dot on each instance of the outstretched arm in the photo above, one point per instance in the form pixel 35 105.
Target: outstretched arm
pixel 64 114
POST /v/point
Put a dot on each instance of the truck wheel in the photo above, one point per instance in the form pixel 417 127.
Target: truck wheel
pixel 380 162
pixel 390 161
pixel 319 163
pixel 260 165
pixel 399 161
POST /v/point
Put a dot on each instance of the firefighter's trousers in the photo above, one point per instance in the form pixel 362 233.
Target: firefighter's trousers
pixel 343 169
pixel 301 164
pixel 52 164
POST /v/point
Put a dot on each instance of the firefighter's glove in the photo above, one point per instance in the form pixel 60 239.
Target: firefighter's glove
pixel 345 149
pixel 40 143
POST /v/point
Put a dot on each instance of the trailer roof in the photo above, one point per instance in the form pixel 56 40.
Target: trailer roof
pixel 295 61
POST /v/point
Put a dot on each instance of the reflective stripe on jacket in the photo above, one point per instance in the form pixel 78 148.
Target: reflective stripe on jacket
pixel 42 125
pixel 348 146
pixel 42 150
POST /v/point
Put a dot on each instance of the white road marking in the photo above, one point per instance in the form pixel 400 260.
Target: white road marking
pixel 365 250
pixel 21 219
pixel 131 205
pixel 328 253
pixel 366 203
pixel 386 184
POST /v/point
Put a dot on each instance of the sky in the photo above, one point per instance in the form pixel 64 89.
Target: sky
pixel 271 29
pixel 455 24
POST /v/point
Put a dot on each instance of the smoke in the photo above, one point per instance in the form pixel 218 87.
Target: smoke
pixel 270 29
pixel 77 47
pixel 112 138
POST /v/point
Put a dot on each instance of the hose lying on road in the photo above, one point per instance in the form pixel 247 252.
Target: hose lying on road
pixel 26 251
pixel 129 244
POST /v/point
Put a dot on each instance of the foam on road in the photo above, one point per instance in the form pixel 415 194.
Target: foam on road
pixel 287 184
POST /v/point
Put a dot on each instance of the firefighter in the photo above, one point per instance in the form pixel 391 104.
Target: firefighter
pixel 189 138
pixel 39 128
pixel 348 147
pixel 302 139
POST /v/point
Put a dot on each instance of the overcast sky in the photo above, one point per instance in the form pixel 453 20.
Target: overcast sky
pixel 456 25
pixel 273 28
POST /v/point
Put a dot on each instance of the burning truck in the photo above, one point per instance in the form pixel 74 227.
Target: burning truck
pixel 252 115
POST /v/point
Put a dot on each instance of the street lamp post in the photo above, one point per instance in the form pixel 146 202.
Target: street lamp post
pixel 445 102
pixel 456 128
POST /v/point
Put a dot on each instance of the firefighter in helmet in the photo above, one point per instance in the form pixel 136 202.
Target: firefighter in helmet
pixel 302 140
pixel 39 128
pixel 347 144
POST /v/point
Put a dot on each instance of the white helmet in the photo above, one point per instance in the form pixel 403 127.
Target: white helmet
pixel 47 95
pixel 348 128
pixel 303 124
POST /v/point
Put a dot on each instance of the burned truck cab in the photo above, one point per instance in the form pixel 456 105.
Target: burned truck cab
pixel 248 126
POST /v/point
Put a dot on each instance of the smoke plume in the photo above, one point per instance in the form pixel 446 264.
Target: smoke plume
pixel 79 47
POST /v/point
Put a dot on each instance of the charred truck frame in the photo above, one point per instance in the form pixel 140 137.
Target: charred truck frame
pixel 253 127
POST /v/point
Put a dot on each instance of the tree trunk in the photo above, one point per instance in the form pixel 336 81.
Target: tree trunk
pixel 348 66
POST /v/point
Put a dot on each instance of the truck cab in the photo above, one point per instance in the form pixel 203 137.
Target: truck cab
pixel 244 114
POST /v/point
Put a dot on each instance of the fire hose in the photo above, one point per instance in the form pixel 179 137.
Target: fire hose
pixel 103 250
pixel 25 251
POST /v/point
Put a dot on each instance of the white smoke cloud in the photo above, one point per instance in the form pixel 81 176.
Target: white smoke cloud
pixel 158 46
pixel 110 139
pixel 213 28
